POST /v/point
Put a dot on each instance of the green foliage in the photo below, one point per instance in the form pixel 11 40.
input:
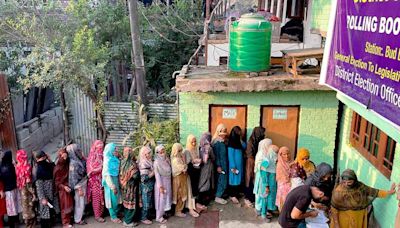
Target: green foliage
pixel 153 132
pixel 170 36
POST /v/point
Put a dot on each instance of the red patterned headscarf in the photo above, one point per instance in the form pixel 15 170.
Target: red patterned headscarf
pixel 95 159
pixel 23 169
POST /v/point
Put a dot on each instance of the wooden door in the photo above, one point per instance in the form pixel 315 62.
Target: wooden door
pixel 281 123
pixel 230 115
pixel 8 140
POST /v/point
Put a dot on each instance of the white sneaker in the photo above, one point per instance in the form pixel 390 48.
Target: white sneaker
pixel 220 200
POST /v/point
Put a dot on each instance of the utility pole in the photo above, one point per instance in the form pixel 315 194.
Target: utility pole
pixel 137 57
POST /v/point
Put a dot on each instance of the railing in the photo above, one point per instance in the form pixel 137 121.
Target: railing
pixel 275 7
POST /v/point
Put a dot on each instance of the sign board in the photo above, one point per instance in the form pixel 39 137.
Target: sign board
pixel 279 114
pixel 229 113
pixel 362 54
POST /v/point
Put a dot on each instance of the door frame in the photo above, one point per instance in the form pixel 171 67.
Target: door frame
pixel 297 126
pixel 210 106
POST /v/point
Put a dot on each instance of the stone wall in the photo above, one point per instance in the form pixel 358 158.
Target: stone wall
pixel 36 133
pixel 317 121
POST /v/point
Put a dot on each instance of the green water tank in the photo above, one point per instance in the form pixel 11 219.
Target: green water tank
pixel 250 44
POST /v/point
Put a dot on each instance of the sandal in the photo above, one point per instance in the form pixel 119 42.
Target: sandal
pixel 180 215
pixel 117 220
pixel 194 214
pixel 100 220
pixel 82 222
pixel 162 220
pixel 147 222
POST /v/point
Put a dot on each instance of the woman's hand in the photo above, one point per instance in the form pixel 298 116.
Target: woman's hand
pixel 115 191
pixel 2 195
pixel 392 189
pixel 219 170
pixel 44 201
pixel 267 190
pixel 67 189
pixel 162 190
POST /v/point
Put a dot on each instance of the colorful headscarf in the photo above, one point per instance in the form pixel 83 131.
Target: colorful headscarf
pixel 128 166
pixel 145 165
pixel 77 169
pixel 262 152
pixel 219 132
pixel 357 197
pixel 162 163
pixel 23 169
pixel 110 163
pixel 308 166
pixel 283 167
pixel 95 158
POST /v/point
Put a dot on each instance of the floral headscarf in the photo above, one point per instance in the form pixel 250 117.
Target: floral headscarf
pixel 95 158
pixel 205 146
pixel 77 168
pixel 128 166
pixel 23 169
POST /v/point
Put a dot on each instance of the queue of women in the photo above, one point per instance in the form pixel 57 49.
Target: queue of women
pixel 219 168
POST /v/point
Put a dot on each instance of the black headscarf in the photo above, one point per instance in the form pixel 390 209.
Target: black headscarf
pixel 44 168
pixel 315 179
pixel 257 135
pixel 235 138
pixel 7 171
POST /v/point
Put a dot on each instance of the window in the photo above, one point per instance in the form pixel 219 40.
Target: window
pixel 373 144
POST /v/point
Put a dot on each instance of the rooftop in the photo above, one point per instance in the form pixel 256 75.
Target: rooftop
pixel 220 79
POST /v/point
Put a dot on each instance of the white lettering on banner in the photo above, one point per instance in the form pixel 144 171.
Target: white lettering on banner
pixel 229 113
pixel 279 114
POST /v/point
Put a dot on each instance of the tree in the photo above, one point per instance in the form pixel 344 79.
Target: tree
pixel 64 50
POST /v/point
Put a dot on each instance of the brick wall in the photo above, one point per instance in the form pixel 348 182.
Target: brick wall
pixel 317 123
pixel 384 209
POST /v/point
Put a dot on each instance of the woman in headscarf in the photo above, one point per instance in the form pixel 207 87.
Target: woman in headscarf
pixel 206 181
pixel 179 179
pixel 350 200
pixel 77 181
pixel 283 176
pixel 45 189
pixel 301 168
pixel 7 173
pixel 235 161
pixel 265 183
pixel 94 166
pixel 193 160
pixel 257 135
pixel 146 182
pixel 221 161
pixel 61 175
pixel 322 178
pixel 110 181
pixel 163 188
pixel 24 183
pixel 129 177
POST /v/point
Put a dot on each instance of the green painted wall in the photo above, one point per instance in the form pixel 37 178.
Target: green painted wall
pixel 320 12
pixel 317 123
pixel 384 209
